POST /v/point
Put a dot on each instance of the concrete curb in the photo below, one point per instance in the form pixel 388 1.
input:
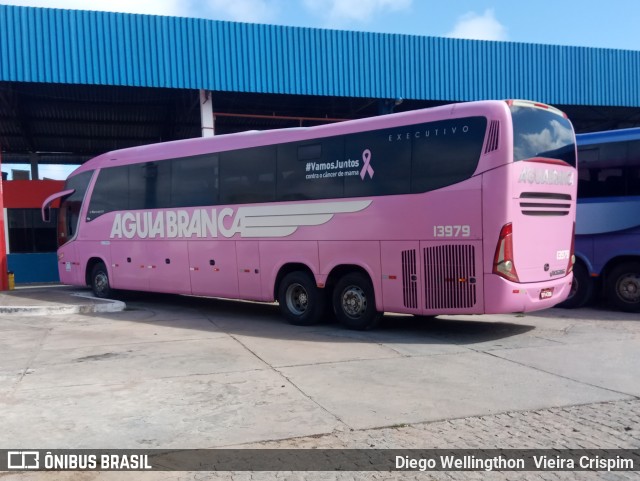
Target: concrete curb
pixel 97 306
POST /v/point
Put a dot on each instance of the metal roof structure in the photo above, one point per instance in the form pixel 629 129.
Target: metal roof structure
pixel 76 83
pixel 100 48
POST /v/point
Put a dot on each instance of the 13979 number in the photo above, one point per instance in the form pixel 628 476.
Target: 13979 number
pixel 451 231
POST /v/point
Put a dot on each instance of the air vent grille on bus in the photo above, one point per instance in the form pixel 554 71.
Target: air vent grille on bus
pixel 544 204
pixel 409 279
pixel 450 280
pixel 493 137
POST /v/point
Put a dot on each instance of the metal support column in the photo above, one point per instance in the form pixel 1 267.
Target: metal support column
pixel 33 157
pixel 207 119
pixel 4 281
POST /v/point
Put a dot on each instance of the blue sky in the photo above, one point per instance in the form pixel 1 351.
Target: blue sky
pixel 590 23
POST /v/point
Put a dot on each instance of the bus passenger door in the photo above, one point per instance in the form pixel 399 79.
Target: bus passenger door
pixel 401 283
pixel 128 265
pixel 168 266
pixel 453 275
pixel 213 268
pixel 249 269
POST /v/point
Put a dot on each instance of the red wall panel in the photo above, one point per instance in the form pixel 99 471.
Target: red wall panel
pixel 29 194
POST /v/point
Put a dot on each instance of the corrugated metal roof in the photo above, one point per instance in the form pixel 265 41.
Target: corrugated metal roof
pixel 88 119
pixel 81 47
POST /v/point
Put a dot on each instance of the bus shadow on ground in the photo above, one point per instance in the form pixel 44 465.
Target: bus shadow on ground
pixel 597 312
pixel 264 320
pixel 461 330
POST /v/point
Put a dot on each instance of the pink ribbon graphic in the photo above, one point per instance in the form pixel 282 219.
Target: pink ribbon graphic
pixel 366 168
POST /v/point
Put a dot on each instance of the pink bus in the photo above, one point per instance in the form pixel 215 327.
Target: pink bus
pixel 461 209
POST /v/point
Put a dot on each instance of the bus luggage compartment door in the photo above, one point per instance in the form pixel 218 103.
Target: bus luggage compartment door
pixel 452 277
pixel 167 266
pixel 401 276
pixel 249 285
pixel 129 265
pixel 213 268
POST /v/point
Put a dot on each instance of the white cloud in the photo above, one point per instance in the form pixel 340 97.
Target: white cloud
pixel 254 11
pixel 355 10
pixel 151 7
pixel 259 11
pixel 479 27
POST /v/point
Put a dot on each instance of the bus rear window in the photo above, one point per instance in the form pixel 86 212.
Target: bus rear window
pixel 542 133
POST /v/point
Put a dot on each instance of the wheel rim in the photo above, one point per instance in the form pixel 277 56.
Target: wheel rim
pixel 297 299
pixel 354 302
pixel 101 283
pixel 628 288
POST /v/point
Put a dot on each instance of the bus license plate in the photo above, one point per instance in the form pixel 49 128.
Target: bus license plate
pixel 546 293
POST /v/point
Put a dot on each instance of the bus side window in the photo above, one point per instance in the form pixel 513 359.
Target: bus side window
pixel 633 176
pixel 447 152
pixel 194 182
pixel 149 185
pixel 612 181
pixel 588 158
pixel 612 175
pixel 137 186
pixel 111 192
pixel 303 172
pixel 389 160
pixel 248 176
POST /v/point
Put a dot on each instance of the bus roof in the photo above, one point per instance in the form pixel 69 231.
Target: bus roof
pixel 621 135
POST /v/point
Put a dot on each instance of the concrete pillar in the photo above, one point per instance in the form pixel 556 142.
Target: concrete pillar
pixel 207 119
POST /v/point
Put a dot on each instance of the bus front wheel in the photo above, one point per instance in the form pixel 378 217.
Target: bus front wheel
pixel 100 281
pixel 354 302
pixel 301 302
pixel 623 287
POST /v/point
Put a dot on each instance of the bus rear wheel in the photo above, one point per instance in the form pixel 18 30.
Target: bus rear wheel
pixel 354 302
pixel 301 302
pixel 100 281
pixel 581 288
pixel 623 287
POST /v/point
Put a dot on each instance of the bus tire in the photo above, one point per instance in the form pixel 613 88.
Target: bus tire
pixel 100 281
pixel 354 302
pixel 581 288
pixel 623 287
pixel 301 302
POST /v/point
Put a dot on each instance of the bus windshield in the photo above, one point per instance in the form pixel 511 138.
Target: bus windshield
pixel 538 132
pixel 69 213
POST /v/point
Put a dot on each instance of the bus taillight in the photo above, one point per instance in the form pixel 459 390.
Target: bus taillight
pixel 503 264
pixel 572 252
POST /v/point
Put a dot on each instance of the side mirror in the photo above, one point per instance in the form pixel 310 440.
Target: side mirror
pixel 45 210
